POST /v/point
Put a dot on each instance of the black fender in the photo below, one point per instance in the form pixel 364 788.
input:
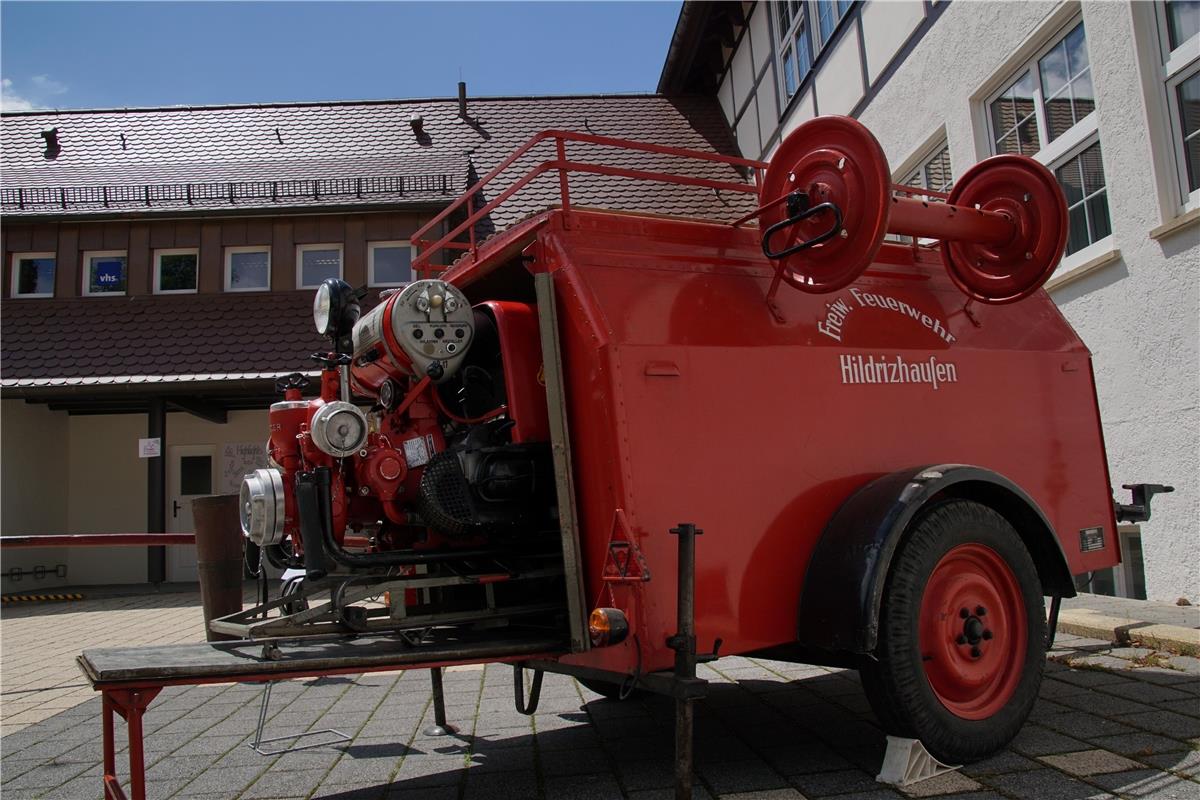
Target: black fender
pixel 843 587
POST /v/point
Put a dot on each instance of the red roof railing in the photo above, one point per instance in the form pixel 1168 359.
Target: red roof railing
pixel 96 540
pixel 564 167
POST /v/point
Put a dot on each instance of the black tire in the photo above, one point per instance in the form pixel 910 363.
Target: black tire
pixel 957 721
pixel 610 691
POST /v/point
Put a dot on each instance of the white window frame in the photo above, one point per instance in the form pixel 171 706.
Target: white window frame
pixel 1070 143
pixel 16 259
pixel 1100 246
pixel 254 248
pixel 175 251
pixel 1178 65
pixel 88 255
pixel 373 246
pixel 301 249
pixel 1070 139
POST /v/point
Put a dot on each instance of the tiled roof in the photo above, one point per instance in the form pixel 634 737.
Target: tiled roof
pixel 159 338
pixel 92 341
pixel 112 156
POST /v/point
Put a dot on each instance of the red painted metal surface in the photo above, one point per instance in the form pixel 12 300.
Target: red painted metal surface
pixel 686 399
pixel 96 540
pixel 973 586
pixel 1008 269
pixel 131 704
pixel 521 356
pixel 829 160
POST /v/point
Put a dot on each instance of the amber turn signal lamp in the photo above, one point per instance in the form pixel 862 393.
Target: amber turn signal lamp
pixel 607 626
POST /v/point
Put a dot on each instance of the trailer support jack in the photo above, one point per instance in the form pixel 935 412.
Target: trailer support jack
pixel 684 645
pixel 439 726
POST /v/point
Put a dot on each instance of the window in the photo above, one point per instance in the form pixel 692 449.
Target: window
pixel 316 262
pixel 1179 26
pixel 1046 111
pixel 1066 83
pixel 247 269
pixel 933 172
pixel 828 14
pixel 33 274
pixel 1082 180
pixel 104 272
pixel 1051 96
pixel 797 46
pixel 389 263
pixel 176 271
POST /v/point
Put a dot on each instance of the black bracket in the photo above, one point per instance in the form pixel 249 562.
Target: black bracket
pixel 798 210
pixel 535 690
pixel 1139 509
pixel 331 360
pixel 297 380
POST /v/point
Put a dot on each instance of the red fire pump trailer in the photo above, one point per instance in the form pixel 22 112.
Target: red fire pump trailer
pixel 893 450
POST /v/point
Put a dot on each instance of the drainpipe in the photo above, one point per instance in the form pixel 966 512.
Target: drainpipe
pixel 156 490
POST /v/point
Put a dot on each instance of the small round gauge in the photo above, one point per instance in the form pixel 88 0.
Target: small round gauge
pixel 387 395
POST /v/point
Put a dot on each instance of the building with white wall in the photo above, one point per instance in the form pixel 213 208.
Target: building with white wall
pixel 1105 94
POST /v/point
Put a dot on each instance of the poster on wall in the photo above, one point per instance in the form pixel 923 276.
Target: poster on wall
pixel 237 459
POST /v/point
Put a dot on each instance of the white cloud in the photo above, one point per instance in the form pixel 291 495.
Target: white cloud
pixel 44 85
pixel 11 101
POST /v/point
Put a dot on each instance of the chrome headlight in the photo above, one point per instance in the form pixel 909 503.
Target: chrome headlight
pixel 261 507
pixel 322 304
pixel 339 429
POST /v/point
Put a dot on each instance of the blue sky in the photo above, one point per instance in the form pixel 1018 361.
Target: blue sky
pixel 101 54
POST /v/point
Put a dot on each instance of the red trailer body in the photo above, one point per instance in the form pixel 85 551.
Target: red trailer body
pixel 687 399
pixel 893 448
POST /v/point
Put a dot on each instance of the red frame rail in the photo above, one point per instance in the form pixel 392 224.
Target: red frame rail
pixel 563 166
pixel 96 540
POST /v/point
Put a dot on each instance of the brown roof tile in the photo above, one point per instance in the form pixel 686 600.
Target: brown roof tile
pixel 92 337
pixel 159 338
pixel 127 150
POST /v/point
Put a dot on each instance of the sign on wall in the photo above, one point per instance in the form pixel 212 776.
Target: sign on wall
pixel 149 448
pixel 237 459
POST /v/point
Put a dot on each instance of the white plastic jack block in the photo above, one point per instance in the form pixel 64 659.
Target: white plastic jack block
pixel 907 762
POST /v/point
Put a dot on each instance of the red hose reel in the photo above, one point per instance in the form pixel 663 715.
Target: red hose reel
pixel 827 202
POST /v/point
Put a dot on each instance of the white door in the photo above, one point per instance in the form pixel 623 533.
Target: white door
pixel 191 473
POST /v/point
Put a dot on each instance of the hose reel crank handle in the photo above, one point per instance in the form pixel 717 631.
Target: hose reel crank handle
pixel 799 210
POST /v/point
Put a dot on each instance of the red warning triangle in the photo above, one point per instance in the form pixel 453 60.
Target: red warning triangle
pixel 624 561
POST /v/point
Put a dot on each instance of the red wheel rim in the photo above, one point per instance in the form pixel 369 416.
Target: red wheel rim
pixel 832 159
pixel 1029 195
pixel 973 631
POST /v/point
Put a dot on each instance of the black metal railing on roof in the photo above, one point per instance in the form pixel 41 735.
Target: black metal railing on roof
pixel 230 192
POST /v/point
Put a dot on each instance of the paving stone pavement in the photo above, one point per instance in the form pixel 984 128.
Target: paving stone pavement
pixel 1128 728
pixel 38 676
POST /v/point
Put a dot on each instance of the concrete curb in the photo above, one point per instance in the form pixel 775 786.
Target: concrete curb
pixel 1123 631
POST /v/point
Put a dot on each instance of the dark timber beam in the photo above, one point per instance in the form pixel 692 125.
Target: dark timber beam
pixel 199 408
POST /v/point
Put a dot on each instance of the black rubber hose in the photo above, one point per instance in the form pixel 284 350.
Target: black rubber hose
pixel 313 503
pixel 282 559
pixel 313 520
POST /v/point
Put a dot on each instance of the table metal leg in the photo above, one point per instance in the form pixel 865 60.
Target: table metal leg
pixel 131 704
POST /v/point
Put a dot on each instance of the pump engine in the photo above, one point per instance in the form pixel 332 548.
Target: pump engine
pixel 411 460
